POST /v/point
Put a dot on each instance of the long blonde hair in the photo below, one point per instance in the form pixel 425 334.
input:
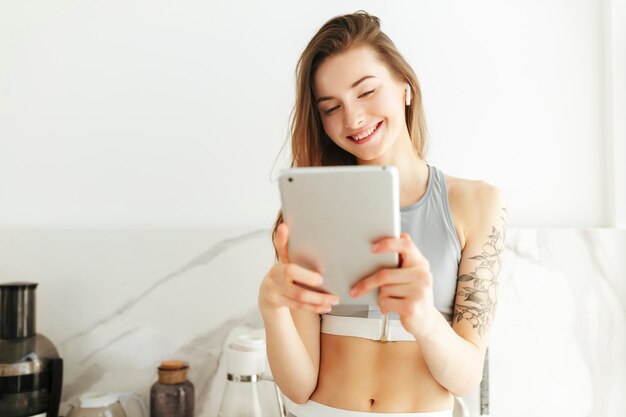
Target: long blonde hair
pixel 310 145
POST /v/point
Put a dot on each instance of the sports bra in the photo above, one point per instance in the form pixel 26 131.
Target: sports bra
pixel 429 223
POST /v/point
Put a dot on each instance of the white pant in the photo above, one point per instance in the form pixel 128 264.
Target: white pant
pixel 313 409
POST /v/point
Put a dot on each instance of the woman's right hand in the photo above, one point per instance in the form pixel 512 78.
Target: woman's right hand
pixel 279 289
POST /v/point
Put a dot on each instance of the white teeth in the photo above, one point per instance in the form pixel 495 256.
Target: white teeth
pixel 366 134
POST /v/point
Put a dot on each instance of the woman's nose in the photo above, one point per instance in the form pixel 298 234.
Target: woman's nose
pixel 354 117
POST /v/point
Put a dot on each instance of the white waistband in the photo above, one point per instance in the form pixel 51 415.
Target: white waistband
pixel 368 328
pixel 313 409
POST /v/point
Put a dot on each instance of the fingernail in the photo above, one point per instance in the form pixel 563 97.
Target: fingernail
pixel 352 291
pixel 334 301
pixel 375 247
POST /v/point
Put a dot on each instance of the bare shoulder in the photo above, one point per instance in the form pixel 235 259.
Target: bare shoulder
pixel 469 200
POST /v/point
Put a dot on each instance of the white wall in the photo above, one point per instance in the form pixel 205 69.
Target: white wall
pixel 171 113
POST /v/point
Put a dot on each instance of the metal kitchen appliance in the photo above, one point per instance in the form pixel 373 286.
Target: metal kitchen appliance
pixel 31 371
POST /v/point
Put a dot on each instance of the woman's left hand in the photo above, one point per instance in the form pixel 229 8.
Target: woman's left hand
pixel 406 290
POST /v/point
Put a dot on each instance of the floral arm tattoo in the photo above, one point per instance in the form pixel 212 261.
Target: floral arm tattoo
pixel 479 290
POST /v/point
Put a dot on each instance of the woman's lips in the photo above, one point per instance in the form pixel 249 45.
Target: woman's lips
pixel 368 138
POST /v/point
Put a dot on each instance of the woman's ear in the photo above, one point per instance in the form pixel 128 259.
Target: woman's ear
pixel 407 96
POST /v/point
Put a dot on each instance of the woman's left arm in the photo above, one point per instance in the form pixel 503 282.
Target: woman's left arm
pixel 454 354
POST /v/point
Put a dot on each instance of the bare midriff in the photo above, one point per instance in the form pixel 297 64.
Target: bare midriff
pixel 365 375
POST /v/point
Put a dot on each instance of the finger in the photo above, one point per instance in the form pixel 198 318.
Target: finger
pixel 409 253
pixel 397 290
pixel 387 304
pixel 310 297
pixel 380 278
pixel 295 304
pixel 281 240
pixel 297 273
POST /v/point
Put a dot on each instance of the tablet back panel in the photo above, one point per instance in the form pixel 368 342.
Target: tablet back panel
pixel 334 214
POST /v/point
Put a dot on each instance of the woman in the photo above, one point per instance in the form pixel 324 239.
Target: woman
pixel 359 102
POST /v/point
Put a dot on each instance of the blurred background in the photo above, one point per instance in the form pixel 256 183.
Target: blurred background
pixel 168 114
pixel 140 142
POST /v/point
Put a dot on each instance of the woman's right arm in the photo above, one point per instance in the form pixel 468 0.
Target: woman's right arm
pixel 292 322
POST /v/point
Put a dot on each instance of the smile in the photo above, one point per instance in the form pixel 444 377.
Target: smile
pixel 365 136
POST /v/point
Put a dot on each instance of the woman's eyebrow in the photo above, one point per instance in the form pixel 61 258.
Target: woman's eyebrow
pixel 356 83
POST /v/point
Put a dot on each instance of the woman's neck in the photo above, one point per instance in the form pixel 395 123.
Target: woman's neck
pixel 412 170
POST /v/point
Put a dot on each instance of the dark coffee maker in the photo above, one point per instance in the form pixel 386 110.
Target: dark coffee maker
pixel 31 372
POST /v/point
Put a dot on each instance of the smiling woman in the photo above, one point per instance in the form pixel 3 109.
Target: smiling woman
pixel 362 107
pixel 359 103
pixel 358 36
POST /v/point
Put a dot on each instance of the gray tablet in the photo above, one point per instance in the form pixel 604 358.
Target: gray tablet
pixel 334 214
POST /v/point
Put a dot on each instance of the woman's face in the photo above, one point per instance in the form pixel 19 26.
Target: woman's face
pixel 361 104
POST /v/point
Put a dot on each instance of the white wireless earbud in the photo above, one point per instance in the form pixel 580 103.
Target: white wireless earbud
pixel 407 97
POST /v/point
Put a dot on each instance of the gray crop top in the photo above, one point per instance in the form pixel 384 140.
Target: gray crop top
pixel 429 223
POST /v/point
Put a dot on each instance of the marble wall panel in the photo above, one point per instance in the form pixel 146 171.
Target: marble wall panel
pixel 116 302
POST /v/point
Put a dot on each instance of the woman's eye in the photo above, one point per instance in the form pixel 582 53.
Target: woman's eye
pixel 365 94
pixel 331 110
